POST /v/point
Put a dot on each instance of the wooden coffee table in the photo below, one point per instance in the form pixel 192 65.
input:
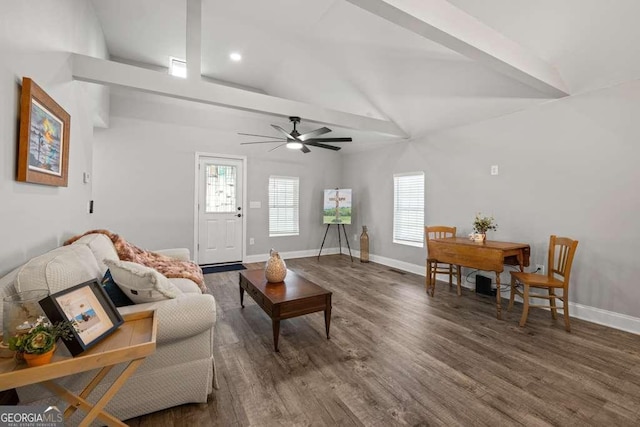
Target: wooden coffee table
pixel 294 297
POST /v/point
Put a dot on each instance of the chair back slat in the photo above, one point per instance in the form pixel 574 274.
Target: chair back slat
pixel 439 232
pixel 561 253
pixel 435 266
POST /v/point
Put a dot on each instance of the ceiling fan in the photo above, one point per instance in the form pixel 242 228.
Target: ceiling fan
pixel 295 140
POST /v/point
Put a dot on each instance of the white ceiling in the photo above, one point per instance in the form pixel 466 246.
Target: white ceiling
pixel 333 54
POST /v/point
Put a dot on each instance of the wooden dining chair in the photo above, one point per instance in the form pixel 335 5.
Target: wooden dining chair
pixel 433 266
pixel 561 252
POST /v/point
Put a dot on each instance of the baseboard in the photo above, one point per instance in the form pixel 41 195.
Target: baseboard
pixel 611 319
pixel 604 317
pixel 292 254
pixel 400 265
pixel 390 262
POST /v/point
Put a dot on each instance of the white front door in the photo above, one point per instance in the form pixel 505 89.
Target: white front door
pixel 220 210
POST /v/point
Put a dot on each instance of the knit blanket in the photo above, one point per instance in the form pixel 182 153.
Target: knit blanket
pixel 167 266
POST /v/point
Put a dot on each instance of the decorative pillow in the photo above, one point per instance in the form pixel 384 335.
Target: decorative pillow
pixel 141 284
pixel 119 298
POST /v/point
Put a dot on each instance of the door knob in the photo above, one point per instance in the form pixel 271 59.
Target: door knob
pixel 239 215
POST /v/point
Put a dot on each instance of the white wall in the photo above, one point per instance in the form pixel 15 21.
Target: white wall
pixel 144 174
pixel 568 167
pixel 33 38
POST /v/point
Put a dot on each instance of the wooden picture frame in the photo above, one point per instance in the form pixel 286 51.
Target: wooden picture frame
pixel 43 147
pixel 87 304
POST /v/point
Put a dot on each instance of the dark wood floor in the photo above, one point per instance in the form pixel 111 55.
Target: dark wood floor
pixel 399 357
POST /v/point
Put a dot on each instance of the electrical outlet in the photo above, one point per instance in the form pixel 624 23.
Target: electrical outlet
pixel 252 241
pixel 355 237
pixel 540 268
pixel 494 170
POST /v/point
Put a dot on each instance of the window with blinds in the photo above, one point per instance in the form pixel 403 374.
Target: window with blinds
pixel 283 206
pixel 408 209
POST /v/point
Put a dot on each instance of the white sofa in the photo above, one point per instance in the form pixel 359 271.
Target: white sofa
pixel 182 368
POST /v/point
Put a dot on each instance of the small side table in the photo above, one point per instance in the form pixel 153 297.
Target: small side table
pixel 131 343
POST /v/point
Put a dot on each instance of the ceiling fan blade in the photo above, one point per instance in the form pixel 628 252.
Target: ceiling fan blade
pixel 305 149
pixel 253 134
pixel 314 133
pixel 278 128
pixel 329 140
pixel 317 144
pixel 260 142
pixel 277 146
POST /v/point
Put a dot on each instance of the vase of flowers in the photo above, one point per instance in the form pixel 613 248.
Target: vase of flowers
pixel 38 343
pixel 481 225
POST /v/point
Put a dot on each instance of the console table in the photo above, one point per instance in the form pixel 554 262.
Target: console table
pixel 131 343
pixel 488 256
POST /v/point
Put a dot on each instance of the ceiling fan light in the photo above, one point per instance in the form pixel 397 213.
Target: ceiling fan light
pixel 294 145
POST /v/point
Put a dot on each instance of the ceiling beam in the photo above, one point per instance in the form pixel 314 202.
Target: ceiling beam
pixel 443 23
pixel 110 73
pixel 194 39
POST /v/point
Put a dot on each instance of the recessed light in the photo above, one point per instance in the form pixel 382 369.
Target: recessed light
pixel 235 56
pixel 177 67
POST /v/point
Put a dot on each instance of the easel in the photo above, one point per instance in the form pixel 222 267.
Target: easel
pixel 339 240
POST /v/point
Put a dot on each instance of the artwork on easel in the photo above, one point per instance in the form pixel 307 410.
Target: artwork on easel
pixel 337 206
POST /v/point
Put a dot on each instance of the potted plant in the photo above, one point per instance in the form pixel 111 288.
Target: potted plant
pixel 38 343
pixel 481 225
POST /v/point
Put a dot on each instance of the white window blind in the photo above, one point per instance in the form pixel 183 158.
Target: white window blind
pixel 283 206
pixel 408 209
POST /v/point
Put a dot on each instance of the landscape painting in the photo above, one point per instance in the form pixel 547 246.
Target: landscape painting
pixel 337 206
pixel 45 141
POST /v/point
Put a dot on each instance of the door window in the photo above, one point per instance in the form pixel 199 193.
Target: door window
pixel 220 195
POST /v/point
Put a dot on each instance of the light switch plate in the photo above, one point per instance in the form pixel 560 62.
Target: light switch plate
pixel 255 205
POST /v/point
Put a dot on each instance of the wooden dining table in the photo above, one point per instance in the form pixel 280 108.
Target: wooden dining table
pixel 489 255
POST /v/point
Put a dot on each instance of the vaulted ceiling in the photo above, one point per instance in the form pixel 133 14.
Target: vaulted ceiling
pixel 352 56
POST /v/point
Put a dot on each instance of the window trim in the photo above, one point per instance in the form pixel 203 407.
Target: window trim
pixel 398 239
pixel 295 206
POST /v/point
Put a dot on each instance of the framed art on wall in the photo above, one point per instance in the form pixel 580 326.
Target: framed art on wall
pixel 89 306
pixel 43 147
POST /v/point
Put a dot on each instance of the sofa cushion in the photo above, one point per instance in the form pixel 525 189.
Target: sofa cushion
pixel 141 284
pixel 118 297
pixel 102 249
pixel 58 269
pixel 186 286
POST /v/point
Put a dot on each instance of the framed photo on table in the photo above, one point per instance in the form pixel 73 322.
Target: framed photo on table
pixel 89 306
pixel 43 147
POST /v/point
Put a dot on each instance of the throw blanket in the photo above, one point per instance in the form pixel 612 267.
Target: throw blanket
pixel 169 267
